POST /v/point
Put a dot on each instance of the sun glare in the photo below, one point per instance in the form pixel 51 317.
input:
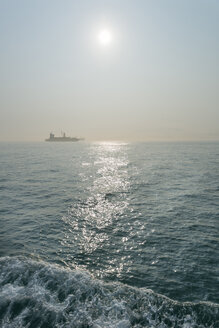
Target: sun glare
pixel 105 37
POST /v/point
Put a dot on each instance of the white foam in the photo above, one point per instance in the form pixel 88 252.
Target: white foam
pixel 39 292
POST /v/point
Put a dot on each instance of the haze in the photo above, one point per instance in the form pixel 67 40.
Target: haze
pixel 156 78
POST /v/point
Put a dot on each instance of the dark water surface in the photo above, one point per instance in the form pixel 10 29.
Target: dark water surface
pixel 109 235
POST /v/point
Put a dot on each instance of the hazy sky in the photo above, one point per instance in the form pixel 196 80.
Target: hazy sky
pixel 157 79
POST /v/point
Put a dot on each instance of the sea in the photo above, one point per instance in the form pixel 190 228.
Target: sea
pixel 109 235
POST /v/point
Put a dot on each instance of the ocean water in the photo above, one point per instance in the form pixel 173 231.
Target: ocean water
pixel 109 235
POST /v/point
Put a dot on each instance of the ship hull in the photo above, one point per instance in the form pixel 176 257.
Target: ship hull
pixel 62 140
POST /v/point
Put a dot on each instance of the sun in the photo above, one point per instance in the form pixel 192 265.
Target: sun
pixel 105 37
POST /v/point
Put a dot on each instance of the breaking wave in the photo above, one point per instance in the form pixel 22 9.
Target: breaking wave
pixel 38 294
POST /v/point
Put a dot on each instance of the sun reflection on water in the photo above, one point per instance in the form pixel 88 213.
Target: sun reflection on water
pixel 92 221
